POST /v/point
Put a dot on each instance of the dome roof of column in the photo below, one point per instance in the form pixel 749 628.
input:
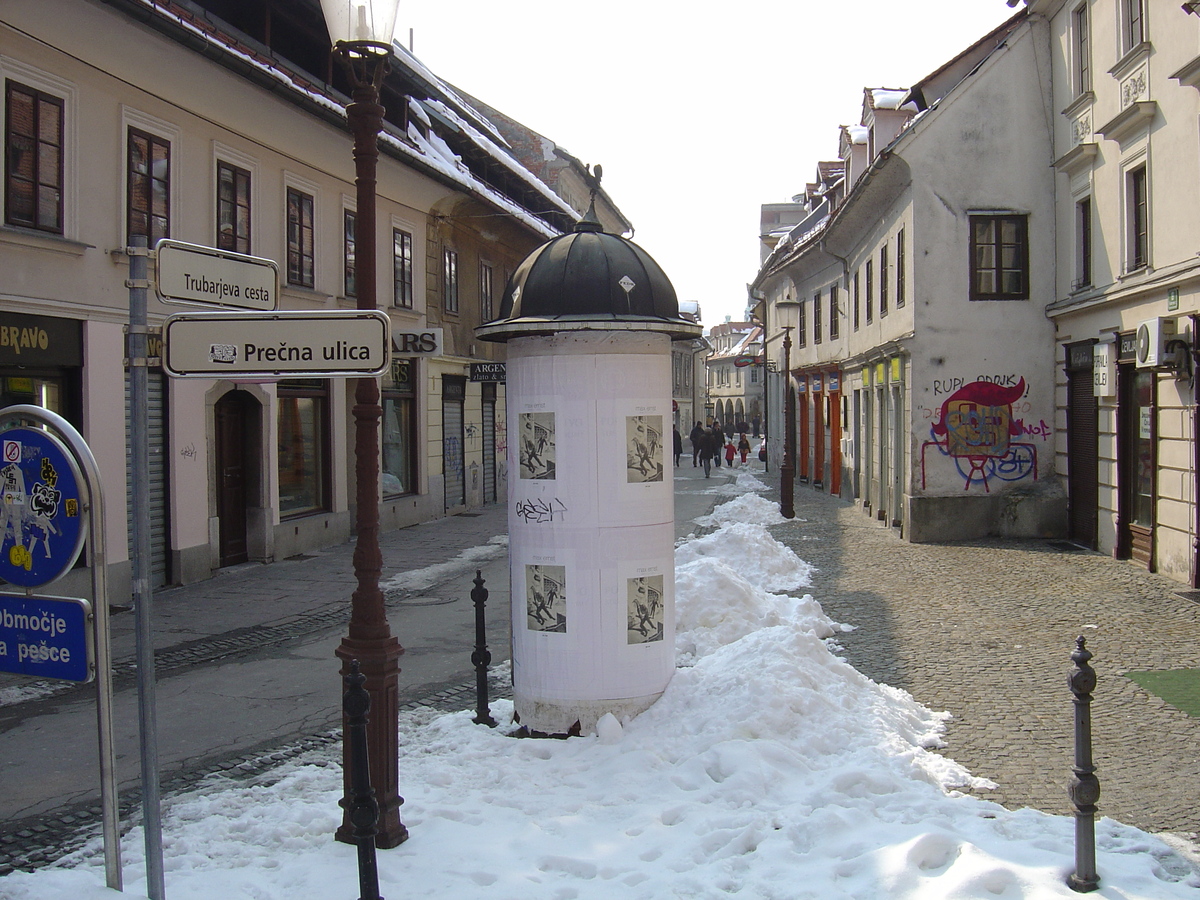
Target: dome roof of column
pixel 588 280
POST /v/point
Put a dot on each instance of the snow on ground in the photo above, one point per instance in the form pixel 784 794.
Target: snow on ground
pixel 423 579
pixel 769 769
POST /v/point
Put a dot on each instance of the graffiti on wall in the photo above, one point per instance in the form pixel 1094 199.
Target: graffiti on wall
pixel 974 429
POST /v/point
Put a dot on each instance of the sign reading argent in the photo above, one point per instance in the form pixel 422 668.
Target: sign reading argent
pixel 282 344
pixel 193 274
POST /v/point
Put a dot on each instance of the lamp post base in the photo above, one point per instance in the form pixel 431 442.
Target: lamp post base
pixel 379 662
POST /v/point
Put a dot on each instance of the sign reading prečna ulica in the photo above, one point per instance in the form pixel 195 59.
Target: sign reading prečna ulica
pixel 229 344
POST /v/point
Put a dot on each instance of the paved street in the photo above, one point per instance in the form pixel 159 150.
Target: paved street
pixel 984 630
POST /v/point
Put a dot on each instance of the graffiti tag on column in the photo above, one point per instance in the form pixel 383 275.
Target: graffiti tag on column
pixel 539 511
pixel 974 428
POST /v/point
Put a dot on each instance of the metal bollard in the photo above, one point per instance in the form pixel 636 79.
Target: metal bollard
pixel 482 657
pixel 361 803
pixel 1084 789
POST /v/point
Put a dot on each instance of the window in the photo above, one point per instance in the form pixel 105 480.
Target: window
pixel 33 146
pixel 349 220
pixel 450 280
pixel 233 208
pixel 1133 25
pixel 402 269
pixel 802 325
pixel 303 447
pixel 999 257
pixel 398 450
pixel 817 317
pixel 1083 243
pixel 149 186
pixel 1083 51
pixel 870 291
pixel 856 298
pixel 1137 229
pixel 485 292
pixel 883 281
pixel 300 238
pixel 833 312
pixel 900 268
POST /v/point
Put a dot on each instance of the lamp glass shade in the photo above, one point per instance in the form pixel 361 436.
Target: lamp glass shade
pixel 350 21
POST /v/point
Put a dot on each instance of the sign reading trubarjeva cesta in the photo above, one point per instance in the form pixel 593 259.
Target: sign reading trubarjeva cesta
pixel 42 524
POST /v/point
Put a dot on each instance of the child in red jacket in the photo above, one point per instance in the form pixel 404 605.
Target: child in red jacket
pixel 730 450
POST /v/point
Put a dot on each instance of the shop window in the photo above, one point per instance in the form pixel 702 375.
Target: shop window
pixel 303 446
pixel 398 397
pixel 33 142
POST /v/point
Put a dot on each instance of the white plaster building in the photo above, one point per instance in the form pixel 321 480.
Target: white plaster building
pixel 222 124
pixel 914 293
pixel 735 392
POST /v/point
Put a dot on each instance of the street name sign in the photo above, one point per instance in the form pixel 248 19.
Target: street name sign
pixel 47 637
pixel 190 273
pixel 276 345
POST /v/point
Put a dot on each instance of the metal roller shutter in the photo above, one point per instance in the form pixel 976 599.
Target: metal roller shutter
pixel 159 531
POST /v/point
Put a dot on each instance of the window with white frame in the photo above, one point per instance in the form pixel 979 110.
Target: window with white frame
pixel 1082 48
pixel 1133 24
pixel 1137 219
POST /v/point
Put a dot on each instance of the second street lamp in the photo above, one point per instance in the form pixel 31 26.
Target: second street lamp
pixel 361 32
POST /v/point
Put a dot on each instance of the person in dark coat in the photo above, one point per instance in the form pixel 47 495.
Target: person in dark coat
pixel 743 447
pixel 697 438
pixel 718 436
pixel 709 448
pixel 678 448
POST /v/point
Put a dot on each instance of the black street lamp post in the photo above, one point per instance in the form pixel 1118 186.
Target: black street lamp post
pixel 361 32
pixel 786 473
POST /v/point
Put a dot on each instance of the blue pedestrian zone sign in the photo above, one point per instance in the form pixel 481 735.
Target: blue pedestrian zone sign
pixel 42 525
pixel 46 637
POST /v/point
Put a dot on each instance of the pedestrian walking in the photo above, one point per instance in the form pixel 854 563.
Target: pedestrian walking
pixel 697 438
pixel 678 445
pixel 744 447
pixel 718 436
pixel 730 452
pixel 709 448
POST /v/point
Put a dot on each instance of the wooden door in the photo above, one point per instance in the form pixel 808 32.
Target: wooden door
pixel 229 415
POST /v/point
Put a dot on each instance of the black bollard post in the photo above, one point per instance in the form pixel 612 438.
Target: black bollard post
pixel 1084 789
pixel 361 803
pixel 481 658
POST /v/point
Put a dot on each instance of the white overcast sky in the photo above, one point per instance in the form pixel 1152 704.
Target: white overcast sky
pixel 699 113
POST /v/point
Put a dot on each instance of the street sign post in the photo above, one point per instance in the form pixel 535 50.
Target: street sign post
pixel 276 345
pixel 47 637
pixel 190 273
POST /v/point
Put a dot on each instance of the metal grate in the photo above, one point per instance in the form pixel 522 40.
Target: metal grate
pixel 1064 546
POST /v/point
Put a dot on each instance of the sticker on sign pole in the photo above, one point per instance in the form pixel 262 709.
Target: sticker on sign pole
pixel 42 522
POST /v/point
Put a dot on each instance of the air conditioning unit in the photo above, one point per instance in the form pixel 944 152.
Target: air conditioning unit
pixel 1152 338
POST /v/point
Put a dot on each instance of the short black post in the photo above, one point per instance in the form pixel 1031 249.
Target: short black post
pixel 1084 789
pixel 361 805
pixel 482 657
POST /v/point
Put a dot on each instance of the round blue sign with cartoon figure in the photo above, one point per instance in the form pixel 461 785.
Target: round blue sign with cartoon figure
pixel 42 524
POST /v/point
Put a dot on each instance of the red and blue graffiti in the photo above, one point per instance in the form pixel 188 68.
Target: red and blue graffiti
pixel 975 428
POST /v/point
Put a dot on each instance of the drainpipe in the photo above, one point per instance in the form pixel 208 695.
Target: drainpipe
pixel 1196 453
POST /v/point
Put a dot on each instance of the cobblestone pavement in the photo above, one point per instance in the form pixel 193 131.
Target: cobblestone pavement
pixel 985 630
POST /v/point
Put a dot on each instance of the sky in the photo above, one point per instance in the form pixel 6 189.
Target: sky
pixel 699 113
pixel 770 769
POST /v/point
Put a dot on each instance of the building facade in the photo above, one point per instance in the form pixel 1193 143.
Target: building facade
pixel 1126 77
pixel 223 125
pixel 913 298
pixel 735 385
